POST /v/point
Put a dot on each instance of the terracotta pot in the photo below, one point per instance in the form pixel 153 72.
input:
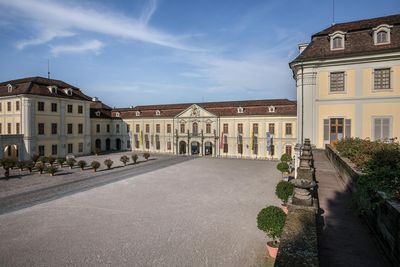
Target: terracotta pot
pixel 272 251
pixel 284 208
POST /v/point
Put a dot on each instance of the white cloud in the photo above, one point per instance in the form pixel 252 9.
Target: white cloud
pixel 67 18
pixel 148 11
pixel 94 46
pixel 44 37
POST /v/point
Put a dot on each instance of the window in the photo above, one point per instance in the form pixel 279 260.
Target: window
pixel 54 150
pixel 382 37
pixel 137 128
pixel 54 128
pixel 208 128
pixel 1 108
pixel 157 128
pixel 288 129
pixel 80 147
pixel 255 145
pixel 137 142
pixel 128 128
pixel 41 129
pixel 382 128
pixel 239 110
pixel 137 113
pixel 240 148
pixel 80 128
pixel 97 128
pixel 41 150
pixel 271 109
pixel 168 128
pixel 271 128
pixel 382 79
pixel 272 152
pixel 40 106
pixel 336 82
pixel 69 108
pixel 195 129
pixel 117 114
pixel 8 106
pixel 17 128
pixel 69 128
pixel 169 145
pixel 128 144
pixel 53 107
pixel 108 128
pixel 157 142
pixel 225 144
pixel 225 127
pixel 70 148
pixel 158 113
pixel 9 129
pixel 288 150
pixel 147 128
pixel 382 34
pixel 117 128
pixel 337 43
pixel 240 128
pixel 1 128
pixel 255 128
pixel 80 109
pixel 182 128
pixel 17 105
pixel 147 142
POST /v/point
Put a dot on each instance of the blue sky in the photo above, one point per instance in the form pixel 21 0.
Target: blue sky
pixel 168 51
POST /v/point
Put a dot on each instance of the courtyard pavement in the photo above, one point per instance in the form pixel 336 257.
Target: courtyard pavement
pixel 201 212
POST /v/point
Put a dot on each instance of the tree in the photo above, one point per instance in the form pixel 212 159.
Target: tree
pixel 146 156
pixel 124 160
pixel 271 221
pixel 95 165
pixel 82 164
pixel 71 163
pixel 284 190
pixel 134 158
pixel 108 163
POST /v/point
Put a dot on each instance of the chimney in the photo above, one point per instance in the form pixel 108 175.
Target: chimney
pixel 302 46
pixel 95 99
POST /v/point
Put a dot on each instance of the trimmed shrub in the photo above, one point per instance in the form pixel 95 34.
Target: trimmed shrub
pixel 82 164
pixel 42 159
pixel 134 158
pixel 51 170
pixel 124 160
pixel 271 221
pixel 35 158
pixel 283 167
pixel 29 165
pixel 20 165
pixel 108 163
pixel 146 156
pixel 284 190
pixel 7 165
pixel 61 161
pixel 40 167
pixel 95 165
pixel 71 163
pixel 50 160
pixel 286 158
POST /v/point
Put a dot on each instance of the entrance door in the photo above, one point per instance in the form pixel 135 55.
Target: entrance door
pixel 182 147
pixel 208 148
pixel 336 130
pixel 118 144
pixel 195 148
pixel 108 144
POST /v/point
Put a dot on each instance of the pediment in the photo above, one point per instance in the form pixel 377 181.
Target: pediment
pixel 195 111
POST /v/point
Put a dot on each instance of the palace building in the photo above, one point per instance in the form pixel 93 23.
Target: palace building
pixel 348 82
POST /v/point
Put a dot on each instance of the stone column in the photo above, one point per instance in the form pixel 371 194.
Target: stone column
pixel 297 152
pixel 28 127
pixel 87 139
pixel 62 129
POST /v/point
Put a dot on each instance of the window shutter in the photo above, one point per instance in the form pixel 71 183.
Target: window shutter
pixel 326 129
pixel 385 128
pixel 377 129
pixel 347 130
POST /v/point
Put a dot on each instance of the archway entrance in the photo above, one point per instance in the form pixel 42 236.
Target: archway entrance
pixel 182 147
pixel 108 144
pixel 118 144
pixel 195 147
pixel 208 148
pixel 98 144
pixel 11 152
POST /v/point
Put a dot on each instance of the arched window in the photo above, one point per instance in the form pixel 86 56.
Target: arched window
pixel 382 37
pixel 382 34
pixel 195 128
pixel 337 42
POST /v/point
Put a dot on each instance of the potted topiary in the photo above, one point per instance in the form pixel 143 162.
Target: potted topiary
pixel 108 163
pixel 134 158
pixel 40 167
pixel 71 163
pixel 20 165
pixel 60 162
pixel 283 191
pixel 82 164
pixel 124 160
pixel 95 165
pixel 146 156
pixel 51 170
pixel 271 221
pixel 28 165
pixel 283 167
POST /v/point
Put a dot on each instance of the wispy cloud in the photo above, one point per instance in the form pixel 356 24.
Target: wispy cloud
pixel 94 46
pixel 67 18
pixel 46 36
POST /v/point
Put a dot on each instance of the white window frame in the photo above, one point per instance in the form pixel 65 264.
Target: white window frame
pixel 390 80
pixel 383 27
pixel 344 82
pixel 334 35
pixel 390 127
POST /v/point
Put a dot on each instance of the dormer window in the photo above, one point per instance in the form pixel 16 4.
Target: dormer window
pixel 97 113
pixel 53 89
pixel 10 88
pixel 382 34
pixel 117 114
pixel 137 113
pixel 271 109
pixel 68 91
pixel 337 40
pixel 239 110
pixel 158 113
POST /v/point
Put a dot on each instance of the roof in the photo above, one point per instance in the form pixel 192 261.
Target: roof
pixel 283 107
pixel 358 40
pixel 39 86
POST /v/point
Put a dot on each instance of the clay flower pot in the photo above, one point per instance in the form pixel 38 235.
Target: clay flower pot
pixel 271 249
pixel 284 208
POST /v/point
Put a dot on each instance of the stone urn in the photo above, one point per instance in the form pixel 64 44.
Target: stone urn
pixel 302 192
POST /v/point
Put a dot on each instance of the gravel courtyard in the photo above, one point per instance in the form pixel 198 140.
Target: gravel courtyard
pixel 200 212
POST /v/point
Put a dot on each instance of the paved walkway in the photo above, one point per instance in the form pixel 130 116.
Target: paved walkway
pixel 345 240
